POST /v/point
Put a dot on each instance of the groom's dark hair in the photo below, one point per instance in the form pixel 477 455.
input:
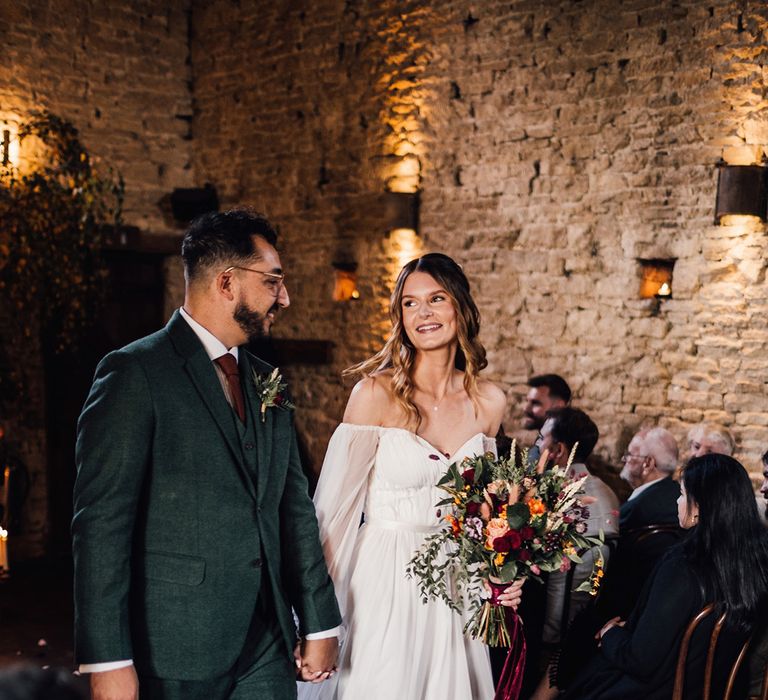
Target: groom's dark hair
pixel 223 239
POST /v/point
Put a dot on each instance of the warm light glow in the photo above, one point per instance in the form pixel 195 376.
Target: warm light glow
pixel 745 223
pixel 408 94
pixel 656 276
pixel 404 175
pixel 742 155
pixel 4 567
pixel 402 246
pixel 9 143
pixel 345 287
pixel 13 150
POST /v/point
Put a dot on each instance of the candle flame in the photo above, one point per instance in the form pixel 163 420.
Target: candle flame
pixel 664 290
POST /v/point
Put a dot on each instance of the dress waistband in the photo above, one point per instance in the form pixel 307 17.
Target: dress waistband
pixel 382 524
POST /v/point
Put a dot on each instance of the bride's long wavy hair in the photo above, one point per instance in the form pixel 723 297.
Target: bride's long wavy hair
pixel 398 353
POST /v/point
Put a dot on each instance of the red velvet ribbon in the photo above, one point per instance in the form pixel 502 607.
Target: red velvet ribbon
pixel 511 679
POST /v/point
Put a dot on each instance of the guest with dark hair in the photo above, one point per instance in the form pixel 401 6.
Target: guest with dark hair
pixel 723 560
pixel 546 392
pixel 569 431
pixel 32 683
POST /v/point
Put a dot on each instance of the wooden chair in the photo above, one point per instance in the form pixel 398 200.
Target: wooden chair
pixel 683 658
pixel 764 689
pixel 639 535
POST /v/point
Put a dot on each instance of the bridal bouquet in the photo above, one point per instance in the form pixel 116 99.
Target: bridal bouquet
pixel 506 519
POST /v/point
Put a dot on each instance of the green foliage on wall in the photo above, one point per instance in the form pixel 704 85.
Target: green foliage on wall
pixel 51 274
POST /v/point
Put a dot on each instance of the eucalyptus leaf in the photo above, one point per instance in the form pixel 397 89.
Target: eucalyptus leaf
pixel 518 515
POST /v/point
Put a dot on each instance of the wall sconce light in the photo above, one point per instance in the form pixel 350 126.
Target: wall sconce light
pixel 743 190
pixel 656 278
pixel 401 210
pixel 9 146
pixel 6 147
pixel 345 281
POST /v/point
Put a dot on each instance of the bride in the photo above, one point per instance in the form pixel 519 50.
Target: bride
pixel 419 408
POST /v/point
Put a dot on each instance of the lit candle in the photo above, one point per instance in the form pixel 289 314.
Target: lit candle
pixel 3 553
pixel 664 291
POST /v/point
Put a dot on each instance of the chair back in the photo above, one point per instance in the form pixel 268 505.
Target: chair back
pixel 638 535
pixel 682 658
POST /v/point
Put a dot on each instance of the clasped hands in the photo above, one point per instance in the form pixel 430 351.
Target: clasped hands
pixel 316 659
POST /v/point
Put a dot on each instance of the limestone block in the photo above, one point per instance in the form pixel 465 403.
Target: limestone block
pixel 648 370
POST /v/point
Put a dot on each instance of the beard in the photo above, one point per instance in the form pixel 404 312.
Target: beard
pixel 531 422
pixel 254 324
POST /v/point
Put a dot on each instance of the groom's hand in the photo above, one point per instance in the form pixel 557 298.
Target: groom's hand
pixel 119 684
pixel 318 659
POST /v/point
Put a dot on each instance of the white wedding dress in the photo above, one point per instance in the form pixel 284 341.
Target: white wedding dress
pixel 395 647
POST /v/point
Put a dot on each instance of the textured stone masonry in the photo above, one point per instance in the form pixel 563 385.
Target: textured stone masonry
pixel 554 145
pixel 119 72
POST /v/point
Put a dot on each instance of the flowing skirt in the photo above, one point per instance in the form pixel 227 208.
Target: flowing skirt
pixel 396 646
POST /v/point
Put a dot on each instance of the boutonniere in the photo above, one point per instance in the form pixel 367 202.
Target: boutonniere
pixel 270 389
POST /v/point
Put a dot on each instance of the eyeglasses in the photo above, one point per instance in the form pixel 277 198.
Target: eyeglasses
pixel 626 457
pixel 276 279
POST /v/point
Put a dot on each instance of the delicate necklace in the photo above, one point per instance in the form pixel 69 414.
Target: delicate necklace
pixel 435 401
pixel 436 405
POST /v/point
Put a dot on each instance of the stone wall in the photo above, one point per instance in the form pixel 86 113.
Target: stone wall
pixel 119 72
pixel 554 144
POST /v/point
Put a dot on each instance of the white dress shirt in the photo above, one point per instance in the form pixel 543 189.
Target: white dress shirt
pixel 642 488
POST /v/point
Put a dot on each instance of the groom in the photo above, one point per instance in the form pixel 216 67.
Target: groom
pixel 193 533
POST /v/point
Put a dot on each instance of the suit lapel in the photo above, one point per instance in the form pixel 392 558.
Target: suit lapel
pixel 201 372
pixel 263 429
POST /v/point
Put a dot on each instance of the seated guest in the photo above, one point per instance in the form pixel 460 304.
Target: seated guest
pixel 649 463
pixel 637 658
pixel 564 429
pixel 546 392
pixel 706 438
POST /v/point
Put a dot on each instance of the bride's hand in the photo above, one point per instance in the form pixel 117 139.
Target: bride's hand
pixel 316 659
pixel 512 595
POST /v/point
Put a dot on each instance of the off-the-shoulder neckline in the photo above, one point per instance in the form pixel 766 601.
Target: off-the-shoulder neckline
pixel 416 436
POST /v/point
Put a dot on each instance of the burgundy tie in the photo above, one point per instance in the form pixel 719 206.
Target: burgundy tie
pixel 228 365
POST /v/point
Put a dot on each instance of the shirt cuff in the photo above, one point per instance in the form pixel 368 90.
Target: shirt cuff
pixel 106 666
pixel 325 634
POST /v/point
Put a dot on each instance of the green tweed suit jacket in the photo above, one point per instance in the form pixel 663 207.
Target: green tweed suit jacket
pixel 173 535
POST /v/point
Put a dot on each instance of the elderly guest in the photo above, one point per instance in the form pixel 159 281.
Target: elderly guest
pixel 706 438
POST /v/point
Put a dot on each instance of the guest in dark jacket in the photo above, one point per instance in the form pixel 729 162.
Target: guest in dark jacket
pixel 649 464
pixel 723 560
